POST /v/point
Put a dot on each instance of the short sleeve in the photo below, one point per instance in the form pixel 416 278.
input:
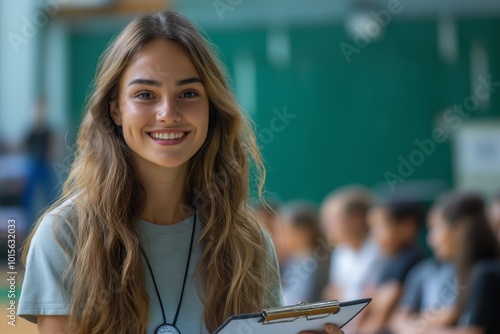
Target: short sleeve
pixel 46 289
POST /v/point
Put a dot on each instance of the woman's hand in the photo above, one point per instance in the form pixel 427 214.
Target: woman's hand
pixel 329 329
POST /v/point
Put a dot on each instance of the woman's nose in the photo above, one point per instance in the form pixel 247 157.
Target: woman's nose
pixel 167 112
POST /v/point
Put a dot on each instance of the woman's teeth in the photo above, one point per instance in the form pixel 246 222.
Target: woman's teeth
pixel 167 136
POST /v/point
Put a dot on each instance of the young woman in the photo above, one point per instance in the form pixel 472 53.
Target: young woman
pixel 153 233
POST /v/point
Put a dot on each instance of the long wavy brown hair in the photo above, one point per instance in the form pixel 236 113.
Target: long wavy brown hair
pixel 109 288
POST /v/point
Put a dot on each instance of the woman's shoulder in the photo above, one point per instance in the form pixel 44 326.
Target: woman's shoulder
pixel 57 225
pixel 276 294
pixel 65 210
pixel 65 213
pixel 267 241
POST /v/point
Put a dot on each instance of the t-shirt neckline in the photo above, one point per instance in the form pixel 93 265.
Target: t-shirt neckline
pixel 180 227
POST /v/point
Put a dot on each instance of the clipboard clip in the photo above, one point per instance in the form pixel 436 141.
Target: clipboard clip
pixel 310 311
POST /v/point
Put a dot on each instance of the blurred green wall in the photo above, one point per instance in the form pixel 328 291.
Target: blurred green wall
pixel 352 121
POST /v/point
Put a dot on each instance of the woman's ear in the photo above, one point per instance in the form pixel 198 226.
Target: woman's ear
pixel 115 112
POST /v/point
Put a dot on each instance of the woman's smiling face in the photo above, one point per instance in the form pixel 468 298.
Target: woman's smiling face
pixel 162 106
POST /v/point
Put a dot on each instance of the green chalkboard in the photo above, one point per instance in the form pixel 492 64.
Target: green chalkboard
pixel 347 122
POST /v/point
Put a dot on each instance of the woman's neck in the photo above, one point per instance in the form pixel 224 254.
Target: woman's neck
pixel 165 193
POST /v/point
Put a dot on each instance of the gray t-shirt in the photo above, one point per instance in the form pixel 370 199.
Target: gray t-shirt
pixel 430 286
pixel 46 291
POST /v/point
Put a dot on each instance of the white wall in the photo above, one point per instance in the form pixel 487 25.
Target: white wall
pixel 17 69
pixel 56 80
pixel 20 61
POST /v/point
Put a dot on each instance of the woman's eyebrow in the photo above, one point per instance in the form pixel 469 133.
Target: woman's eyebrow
pixel 156 83
pixel 188 81
pixel 147 82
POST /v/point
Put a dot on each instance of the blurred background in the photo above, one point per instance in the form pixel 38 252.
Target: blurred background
pixel 400 97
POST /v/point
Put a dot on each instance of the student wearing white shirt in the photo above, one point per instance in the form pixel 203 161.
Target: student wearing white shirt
pixel 355 259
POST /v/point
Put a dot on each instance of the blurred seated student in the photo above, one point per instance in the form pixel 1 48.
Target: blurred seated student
pixel 268 215
pixel 305 271
pixel 355 257
pixel 476 262
pixel 395 225
pixel 431 287
pixel 481 312
pixel 494 214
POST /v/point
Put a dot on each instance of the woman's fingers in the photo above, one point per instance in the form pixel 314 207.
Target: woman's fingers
pixel 332 329
pixel 329 329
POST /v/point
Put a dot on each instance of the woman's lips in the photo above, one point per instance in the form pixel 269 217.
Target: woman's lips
pixel 171 137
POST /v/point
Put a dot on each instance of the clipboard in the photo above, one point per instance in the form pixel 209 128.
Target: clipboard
pixel 294 319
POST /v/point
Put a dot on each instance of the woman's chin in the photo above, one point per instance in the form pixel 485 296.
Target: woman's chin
pixel 171 164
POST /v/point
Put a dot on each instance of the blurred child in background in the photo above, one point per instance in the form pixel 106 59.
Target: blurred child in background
pixel 305 271
pixel 356 258
pixel 476 262
pixel 458 233
pixel 494 214
pixel 431 288
pixel 42 147
pixel 395 227
pixel 268 215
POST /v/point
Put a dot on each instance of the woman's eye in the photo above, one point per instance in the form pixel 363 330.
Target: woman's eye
pixel 189 94
pixel 144 96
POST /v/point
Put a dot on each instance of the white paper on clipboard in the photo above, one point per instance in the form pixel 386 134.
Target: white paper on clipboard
pixel 254 323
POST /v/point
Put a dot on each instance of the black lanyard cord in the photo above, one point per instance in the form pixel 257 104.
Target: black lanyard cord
pixel 183 283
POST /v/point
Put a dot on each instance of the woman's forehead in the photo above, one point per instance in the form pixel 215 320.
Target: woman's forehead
pixel 161 60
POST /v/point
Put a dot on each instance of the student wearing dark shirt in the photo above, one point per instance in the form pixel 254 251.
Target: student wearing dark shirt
pixel 394 226
pixel 482 310
pixel 399 265
pixel 41 146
